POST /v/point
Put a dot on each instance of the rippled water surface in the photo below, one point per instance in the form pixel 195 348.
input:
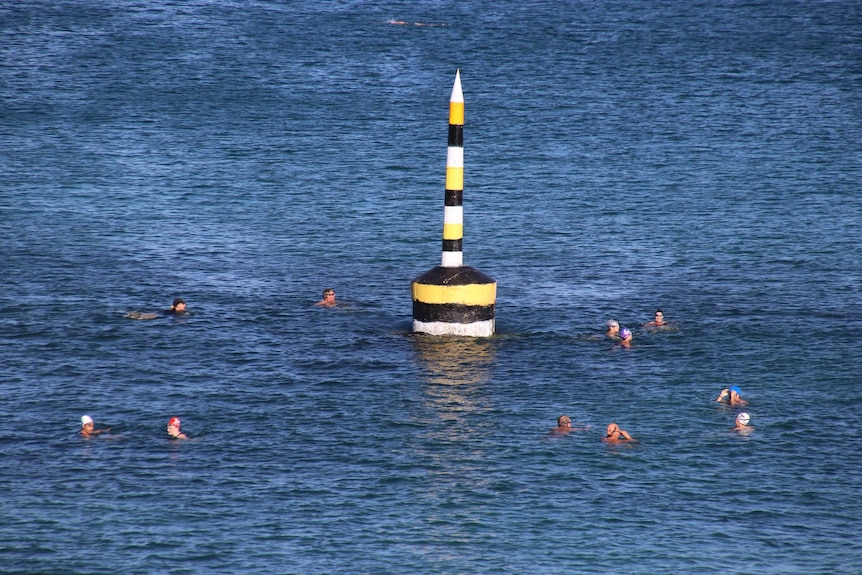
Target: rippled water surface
pixel 703 158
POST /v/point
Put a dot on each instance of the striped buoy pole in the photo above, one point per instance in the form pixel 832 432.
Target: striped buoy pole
pixel 454 299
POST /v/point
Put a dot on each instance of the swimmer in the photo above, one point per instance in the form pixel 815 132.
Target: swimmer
pixel 625 337
pixel 658 321
pixel 614 434
pixel 405 23
pixel 564 426
pixel 328 298
pixel 88 428
pixel 613 329
pixel 174 429
pixel 731 396
pixel 742 423
pixel 178 307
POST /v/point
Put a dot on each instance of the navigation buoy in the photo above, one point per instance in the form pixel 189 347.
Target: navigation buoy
pixel 454 299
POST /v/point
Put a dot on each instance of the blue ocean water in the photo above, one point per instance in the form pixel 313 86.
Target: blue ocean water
pixel 700 157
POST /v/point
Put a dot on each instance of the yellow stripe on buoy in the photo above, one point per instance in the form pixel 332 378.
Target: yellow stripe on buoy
pixel 454 178
pixel 471 294
pixel 453 231
pixel 456 111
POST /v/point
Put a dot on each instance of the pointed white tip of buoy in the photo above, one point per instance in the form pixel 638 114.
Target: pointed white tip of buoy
pixel 457 95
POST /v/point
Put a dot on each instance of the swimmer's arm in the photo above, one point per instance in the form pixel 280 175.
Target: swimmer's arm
pixel 626 435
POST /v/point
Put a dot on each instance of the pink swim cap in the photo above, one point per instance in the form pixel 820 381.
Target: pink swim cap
pixel 175 421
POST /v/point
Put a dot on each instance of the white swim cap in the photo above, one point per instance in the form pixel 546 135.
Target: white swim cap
pixel 85 419
pixel 743 418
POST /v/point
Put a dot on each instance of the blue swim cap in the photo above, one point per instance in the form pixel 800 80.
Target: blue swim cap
pixel 736 389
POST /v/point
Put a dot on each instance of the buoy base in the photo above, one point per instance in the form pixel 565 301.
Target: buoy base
pixel 454 301
pixel 475 329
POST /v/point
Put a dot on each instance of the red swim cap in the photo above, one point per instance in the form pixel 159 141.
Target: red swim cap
pixel 175 421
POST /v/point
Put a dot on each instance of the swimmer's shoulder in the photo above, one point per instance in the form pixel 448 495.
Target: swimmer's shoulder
pixel 141 315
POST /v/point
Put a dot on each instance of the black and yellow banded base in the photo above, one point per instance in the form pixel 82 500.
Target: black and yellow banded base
pixel 456 300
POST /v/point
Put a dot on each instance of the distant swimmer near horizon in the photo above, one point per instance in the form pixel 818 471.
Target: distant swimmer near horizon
pixel 405 23
pixel 178 307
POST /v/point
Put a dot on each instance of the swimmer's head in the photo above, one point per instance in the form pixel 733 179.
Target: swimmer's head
pixel 85 420
pixel 743 418
pixel 564 421
pixel 178 301
pixel 736 389
pixel 625 333
pixel 174 422
pixel 613 324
